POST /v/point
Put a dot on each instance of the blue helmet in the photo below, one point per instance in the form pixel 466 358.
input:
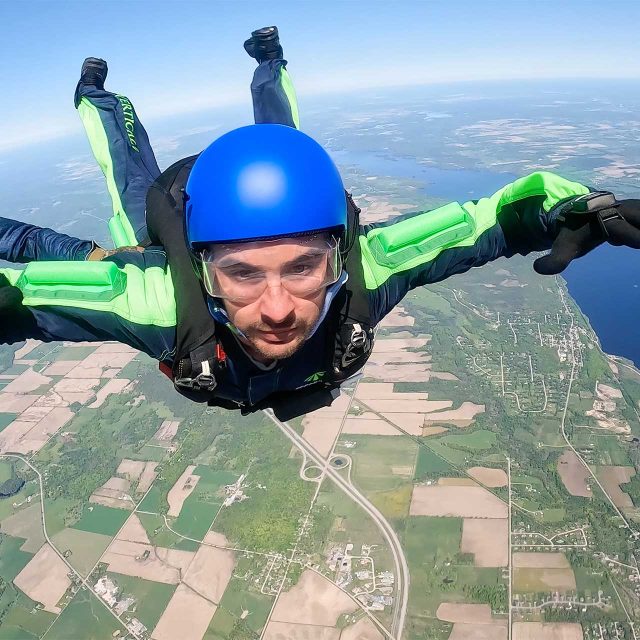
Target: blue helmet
pixel 263 181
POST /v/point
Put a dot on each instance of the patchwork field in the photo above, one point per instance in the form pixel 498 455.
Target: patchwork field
pixel 574 475
pixel 492 478
pixel 181 490
pixel 44 579
pixel 487 540
pixel 547 631
pixel 83 548
pixel 541 572
pixel 160 565
pixel 185 604
pixel 314 600
pixel 456 502
pixel 611 478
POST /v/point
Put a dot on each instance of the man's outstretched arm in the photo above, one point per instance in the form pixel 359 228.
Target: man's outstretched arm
pixel 21 243
pixel 422 248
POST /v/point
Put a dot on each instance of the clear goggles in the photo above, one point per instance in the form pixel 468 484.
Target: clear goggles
pixel 242 272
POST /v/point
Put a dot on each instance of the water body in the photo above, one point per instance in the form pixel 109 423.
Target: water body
pixel 605 283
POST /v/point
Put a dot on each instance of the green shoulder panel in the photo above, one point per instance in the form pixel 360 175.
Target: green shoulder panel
pixel 421 238
pixel 139 296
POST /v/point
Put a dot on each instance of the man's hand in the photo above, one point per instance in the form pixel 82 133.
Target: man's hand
pixel 16 321
pixel 581 231
pixel 100 254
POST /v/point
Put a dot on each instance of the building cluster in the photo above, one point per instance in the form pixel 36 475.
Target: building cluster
pixel 109 591
pixel 234 492
pixel 357 572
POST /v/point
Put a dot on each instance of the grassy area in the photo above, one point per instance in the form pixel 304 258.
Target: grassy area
pixel 152 598
pixel 161 536
pixel 430 465
pixel 19 618
pixel 85 617
pixel 221 625
pixel 475 441
pixel 431 546
pixel 6 419
pixel 153 501
pixel 376 458
pixel 393 504
pixel 6 504
pixel 85 547
pixel 104 520
pixel 12 560
pixel 202 506
pixel 60 513
pixel 237 598
pixel 68 353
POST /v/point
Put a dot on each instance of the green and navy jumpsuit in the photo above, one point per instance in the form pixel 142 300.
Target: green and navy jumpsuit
pixel 129 297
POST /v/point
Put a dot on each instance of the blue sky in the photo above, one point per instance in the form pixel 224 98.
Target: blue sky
pixel 173 57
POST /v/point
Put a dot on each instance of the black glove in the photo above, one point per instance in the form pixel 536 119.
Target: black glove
pixel 264 44
pixel 17 323
pixel 590 221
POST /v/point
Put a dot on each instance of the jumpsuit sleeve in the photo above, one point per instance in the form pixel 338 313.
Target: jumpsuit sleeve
pixel 21 242
pixel 127 297
pixel 427 247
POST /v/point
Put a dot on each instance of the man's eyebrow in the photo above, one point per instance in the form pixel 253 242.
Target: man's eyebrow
pixel 228 262
pixel 311 253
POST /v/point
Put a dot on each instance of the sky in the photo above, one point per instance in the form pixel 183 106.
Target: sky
pixel 173 57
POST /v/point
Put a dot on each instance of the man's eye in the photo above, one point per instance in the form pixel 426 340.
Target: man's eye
pixel 301 268
pixel 243 274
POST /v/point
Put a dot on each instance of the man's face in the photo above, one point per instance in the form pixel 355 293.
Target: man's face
pixel 274 290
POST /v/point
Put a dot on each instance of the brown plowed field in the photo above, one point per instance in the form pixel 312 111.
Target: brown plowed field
pixel 456 502
pixel 487 540
pixel 574 474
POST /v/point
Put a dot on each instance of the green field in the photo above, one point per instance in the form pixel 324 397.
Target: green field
pixel 202 506
pixel 20 620
pixel 86 547
pixel 153 501
pixel 6 504
pixel 12 560
pixel 430 545
pixel 151 597
pixel 104 520
pixel 351 524
pixel 237 598
pixel 85 618
pixel 6 467
pixel 375 457
pixel 58 513
pixel 6 419
pixel 71 353
pixel 463 449
pixel 479 440
pixel 430 465
pixel 160 536
pixel 221 625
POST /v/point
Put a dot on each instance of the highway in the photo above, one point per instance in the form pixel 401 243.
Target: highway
pixel 402 569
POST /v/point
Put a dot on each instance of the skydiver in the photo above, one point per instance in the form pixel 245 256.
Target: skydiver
pixel 256 279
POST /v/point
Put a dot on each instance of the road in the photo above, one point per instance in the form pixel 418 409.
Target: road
pixel 509 566
pixel 402 569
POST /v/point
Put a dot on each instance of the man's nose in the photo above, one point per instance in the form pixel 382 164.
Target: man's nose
pixel 276 304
